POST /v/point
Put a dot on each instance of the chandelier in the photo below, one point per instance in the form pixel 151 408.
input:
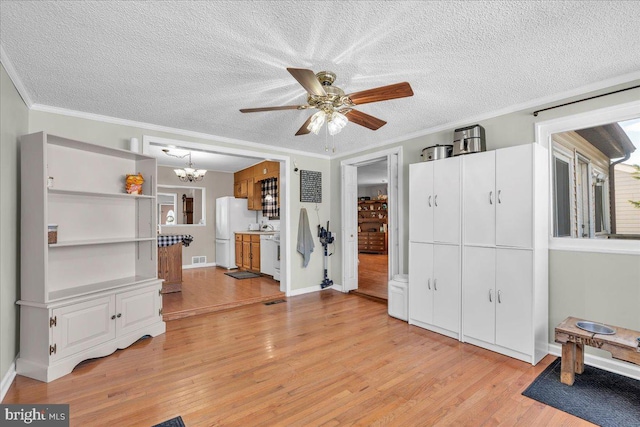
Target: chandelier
pixel 188 174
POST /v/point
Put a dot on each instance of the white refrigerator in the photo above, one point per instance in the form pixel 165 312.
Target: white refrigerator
pixel 231 215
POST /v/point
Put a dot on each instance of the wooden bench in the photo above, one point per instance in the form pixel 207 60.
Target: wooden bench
pixel 623 345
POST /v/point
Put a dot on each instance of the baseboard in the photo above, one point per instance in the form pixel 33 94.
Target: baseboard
pixel 8 378
pixel 611 365
pixel 189 266
pixel 310 289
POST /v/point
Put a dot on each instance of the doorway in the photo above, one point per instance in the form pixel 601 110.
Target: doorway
pixel 373 204
pixel 371 221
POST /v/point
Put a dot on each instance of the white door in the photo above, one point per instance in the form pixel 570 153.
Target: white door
pixel 514 184
pixel 137 309
pixel 82 326
pixel 350 227
pixel 421 282
pixel 421 202
pixel 479 184
pixel 514 283
pixel 446 287
pixel 446 200
pixel 478 293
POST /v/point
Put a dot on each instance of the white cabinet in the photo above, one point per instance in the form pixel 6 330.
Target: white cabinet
pixel 434 201
pixel 96 288
pixel 498 197
pixel 434 287
pixel 505 257
pixel 497 299
pixel 492 291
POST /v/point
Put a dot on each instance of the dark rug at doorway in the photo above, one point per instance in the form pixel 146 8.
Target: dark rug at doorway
pixel 598 396
pixel 173 422
pixel 242 275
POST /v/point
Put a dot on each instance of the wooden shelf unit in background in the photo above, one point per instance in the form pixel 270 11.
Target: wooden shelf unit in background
pixel 372 226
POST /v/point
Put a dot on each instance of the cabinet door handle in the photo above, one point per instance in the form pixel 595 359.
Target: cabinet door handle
pixel 490 197
pixel 429 201
pixel 435 284
pixel 490 295
pixel 429 283
pixel 499 299
pixel 435 200
pixel 499 191
pixel 113 317
pixel 119 315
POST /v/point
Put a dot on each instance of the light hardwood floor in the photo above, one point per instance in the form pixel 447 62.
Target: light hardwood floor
pixel 205 290
pixel 324 358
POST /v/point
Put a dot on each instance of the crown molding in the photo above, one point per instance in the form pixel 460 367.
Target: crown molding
pixel 150 126
pixel 533 104
pixel 13 75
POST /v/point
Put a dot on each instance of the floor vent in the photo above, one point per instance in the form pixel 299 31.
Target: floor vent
pixel 199 260
pixel 277 301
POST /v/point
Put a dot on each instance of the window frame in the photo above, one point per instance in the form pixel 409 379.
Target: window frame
pixel 562 154
pixel 543 133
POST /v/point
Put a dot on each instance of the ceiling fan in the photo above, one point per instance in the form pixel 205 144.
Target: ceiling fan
pixel 334 106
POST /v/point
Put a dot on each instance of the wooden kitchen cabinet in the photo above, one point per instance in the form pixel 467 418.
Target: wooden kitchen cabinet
pixel 248 252
pixel 170 267
pixel 247 183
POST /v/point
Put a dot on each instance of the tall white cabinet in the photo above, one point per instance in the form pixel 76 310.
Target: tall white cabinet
pixel 434 246
pixel 502 263
pixel 96 289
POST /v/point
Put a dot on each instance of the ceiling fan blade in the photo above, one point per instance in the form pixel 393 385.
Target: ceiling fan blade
pixel 363 119
pixel 384 93
pixel 303 129
pixel 308 80
pixel 286 107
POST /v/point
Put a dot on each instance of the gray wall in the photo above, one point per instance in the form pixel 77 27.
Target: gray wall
pixel 216 184
pixel 574 287
pixel 14 121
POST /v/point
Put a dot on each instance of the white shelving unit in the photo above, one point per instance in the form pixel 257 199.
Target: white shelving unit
pixel 96 289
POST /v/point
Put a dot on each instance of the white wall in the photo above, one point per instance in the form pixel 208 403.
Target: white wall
pixel 14 121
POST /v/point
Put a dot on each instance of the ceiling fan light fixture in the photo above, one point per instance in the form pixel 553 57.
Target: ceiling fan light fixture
pixel 336 123
pixel 317 120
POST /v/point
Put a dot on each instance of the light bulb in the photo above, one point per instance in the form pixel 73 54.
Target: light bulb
pixel 337 122
pixel 317 120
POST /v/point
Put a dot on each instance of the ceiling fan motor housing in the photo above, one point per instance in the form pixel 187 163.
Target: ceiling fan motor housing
pixel 334 95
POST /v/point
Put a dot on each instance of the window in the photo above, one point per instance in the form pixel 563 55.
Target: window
pixel 562 195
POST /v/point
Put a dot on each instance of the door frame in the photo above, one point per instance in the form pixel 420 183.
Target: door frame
pixel 395 192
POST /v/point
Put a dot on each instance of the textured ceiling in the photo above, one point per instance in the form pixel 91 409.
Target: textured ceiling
pixel 192 65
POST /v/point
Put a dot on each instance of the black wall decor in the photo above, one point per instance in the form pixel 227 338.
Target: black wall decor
pixel 310 186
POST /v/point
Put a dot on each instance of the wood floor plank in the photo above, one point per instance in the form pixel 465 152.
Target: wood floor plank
pixel 321 359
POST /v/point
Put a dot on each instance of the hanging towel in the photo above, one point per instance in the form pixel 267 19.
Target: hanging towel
pixel 305 239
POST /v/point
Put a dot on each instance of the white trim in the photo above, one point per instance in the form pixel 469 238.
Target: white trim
pixel 395 249
pixel 177 131
pixel 611 365
pixel 606 246
pixel 543 132
pixel 8 378
pixel 308 290
pixel 190 266
pixel 285 189
pixel 13 75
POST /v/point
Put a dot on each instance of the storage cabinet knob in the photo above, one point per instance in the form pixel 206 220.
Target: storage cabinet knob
pixel 490 295
pixel 490 197
pixel 435 283
pixel 119 315
pixel 429 283
pixel 113 317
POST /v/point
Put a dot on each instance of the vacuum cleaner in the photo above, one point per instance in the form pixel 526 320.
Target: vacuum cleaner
pixel 325 240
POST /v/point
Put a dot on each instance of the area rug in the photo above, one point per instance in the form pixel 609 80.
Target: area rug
pixel 173 422
pixel 598 396
pixel 242 275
